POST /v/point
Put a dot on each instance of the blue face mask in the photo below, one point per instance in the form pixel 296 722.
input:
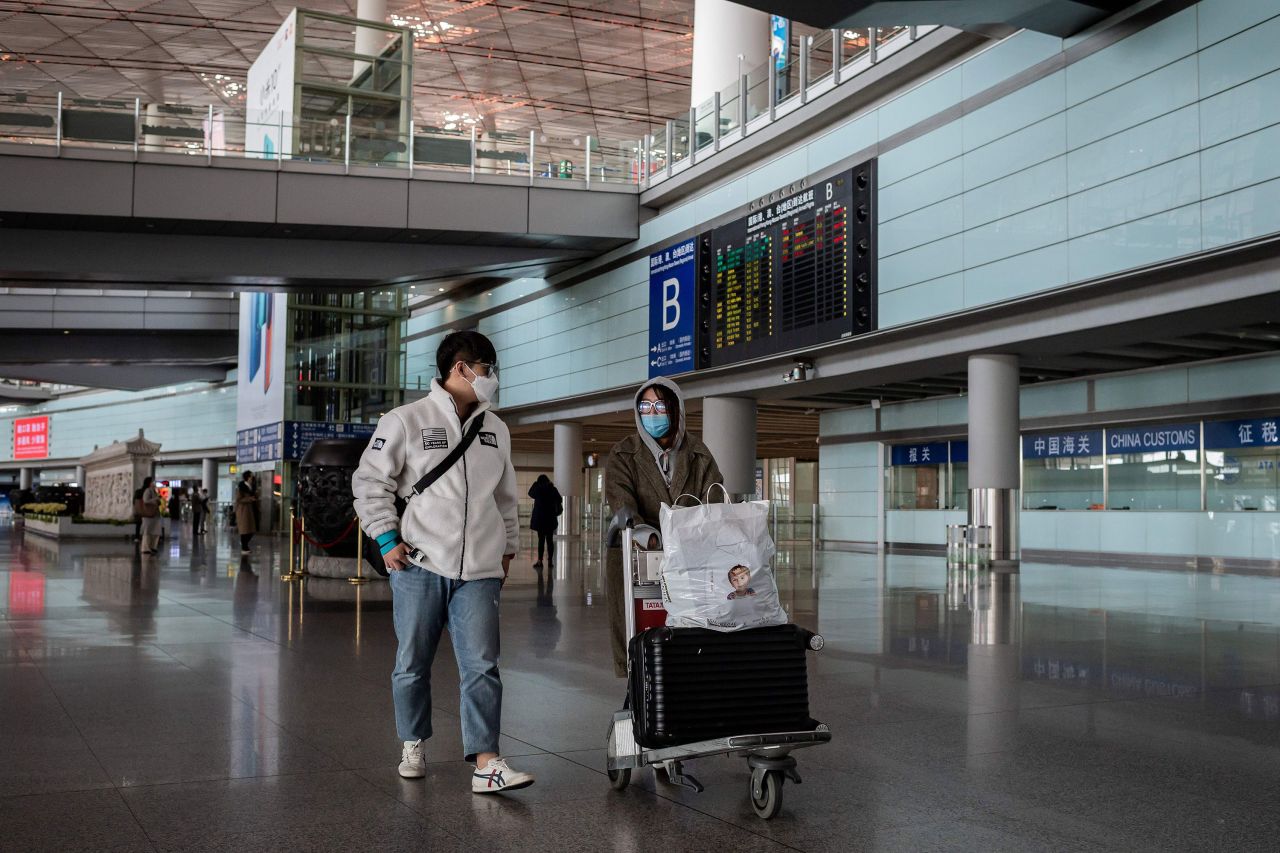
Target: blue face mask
pixel 656 425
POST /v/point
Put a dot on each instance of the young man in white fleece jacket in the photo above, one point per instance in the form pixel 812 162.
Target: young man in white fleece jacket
pixel 450 552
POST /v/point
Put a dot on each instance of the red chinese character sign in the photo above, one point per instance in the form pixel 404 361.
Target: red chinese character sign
pixel 31 438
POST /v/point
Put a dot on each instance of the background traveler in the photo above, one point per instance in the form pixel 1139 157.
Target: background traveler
pixel 657 465
pixel 246 510
pixel 175 510
pixel 449 552
pixel 137 514
pixel 150 512
pixel 199 510
pixel 547 507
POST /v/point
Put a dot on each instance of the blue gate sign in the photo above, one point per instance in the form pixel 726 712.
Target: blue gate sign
pixel 1259 432
pixel 298 435
pixel 934 453
pixel 1056 445
pixel 959 451
pixel 671 285
pixel 259 444
pixel 1148 439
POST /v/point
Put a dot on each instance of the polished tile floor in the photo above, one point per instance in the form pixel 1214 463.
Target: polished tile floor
pixel 194 702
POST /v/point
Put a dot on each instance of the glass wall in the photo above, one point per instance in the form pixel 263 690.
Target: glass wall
pixel 1156 468
pixel 917 475
pixel 345 355
pixel 1063 471
pixel 958 476
pixel 1242 465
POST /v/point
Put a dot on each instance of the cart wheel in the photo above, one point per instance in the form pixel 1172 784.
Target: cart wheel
pixel 769 803
pixel 620 779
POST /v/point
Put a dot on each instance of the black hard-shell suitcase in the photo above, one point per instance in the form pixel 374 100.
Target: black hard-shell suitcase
pixel 691 684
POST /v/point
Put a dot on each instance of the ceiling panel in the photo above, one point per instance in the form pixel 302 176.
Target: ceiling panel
pixel 562 67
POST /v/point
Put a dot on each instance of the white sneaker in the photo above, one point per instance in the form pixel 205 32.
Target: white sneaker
pixel 498 776
pixel 412 764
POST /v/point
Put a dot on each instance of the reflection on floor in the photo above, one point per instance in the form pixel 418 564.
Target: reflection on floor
pixel 194 702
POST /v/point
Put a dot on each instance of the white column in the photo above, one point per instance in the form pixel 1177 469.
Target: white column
pixel 368 41
pixel 209 477
pixel 729 431
pixel 80 476
pixel 568 474
pixel 994 475
pixel 24 477
pixel 721 32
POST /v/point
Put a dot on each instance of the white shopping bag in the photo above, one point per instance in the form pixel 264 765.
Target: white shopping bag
pixel 717 571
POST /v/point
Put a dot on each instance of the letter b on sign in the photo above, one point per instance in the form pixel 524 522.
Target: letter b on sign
pixel 670 304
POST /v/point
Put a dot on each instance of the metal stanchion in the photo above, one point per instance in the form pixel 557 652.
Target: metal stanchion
pixel 303 551
pixel 359 578
pixel 359 608
pixel 293 574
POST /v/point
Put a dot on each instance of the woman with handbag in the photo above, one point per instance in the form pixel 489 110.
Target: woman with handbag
pixel 149 510
pixel 656 465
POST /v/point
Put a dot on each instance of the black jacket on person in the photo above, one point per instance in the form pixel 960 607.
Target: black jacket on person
pixel 547 506
pixel 175 507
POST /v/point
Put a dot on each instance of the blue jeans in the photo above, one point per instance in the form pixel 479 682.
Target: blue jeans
pixel 423 603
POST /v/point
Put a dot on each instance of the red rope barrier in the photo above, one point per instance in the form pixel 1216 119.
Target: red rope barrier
pixel 324 545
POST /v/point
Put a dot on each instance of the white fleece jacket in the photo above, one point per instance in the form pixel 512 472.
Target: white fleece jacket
pixel 466 521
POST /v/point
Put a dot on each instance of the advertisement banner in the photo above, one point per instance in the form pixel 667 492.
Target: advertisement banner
pixel 268 129
pixel 31 438
pixel 261 379
pixel 779 40
pixel 671 293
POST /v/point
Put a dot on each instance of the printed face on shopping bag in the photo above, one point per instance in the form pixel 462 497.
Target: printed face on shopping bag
pixel 740 578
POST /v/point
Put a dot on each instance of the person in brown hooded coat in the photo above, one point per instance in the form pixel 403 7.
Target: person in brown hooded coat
pixel 657 465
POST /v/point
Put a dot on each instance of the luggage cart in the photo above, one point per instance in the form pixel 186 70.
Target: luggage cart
pixel 768 755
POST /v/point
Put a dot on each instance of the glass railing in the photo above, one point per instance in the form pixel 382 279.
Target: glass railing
pixel 824 60
pixel 821 57
pixel 371 140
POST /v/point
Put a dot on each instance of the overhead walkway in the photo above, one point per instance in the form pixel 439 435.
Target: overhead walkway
pixel 87 216
pixel 118 339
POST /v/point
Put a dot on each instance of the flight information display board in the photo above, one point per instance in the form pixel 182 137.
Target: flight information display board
pixel 797 272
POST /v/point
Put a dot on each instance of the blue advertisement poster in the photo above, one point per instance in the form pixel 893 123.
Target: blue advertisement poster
pixel 779 40
pixel 671 293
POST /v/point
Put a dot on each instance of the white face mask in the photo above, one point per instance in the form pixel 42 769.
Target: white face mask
pixel 485 387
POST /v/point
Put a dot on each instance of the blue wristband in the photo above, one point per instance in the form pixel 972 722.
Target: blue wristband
pixel 388 541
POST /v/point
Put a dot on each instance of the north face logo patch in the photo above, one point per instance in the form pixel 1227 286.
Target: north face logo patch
pixel 488 438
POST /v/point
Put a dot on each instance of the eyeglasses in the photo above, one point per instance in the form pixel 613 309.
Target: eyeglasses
pixel 648 407
pixel 486 369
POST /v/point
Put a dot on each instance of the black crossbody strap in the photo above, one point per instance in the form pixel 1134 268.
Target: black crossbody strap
pixel 452 459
